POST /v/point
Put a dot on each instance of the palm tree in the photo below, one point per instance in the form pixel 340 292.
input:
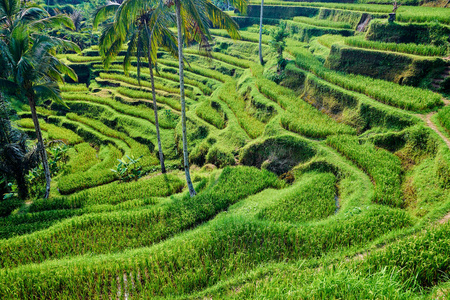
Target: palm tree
pixel 260 33
pixel 193 20
pixel 31 69
pixel 148 31
pixel 15 12
pixel 16 159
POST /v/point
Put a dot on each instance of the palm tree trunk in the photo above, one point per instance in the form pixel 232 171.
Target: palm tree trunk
pixel 155 108
pixel 41 146
pixel 22 186
pixel 260 33
pixel 183 102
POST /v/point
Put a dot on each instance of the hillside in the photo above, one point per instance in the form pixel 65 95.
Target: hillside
pixel 327 180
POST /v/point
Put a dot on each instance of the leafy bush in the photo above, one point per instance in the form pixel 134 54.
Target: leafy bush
pixel 128 170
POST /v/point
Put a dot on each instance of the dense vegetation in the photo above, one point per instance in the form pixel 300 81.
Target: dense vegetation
pixel 323 173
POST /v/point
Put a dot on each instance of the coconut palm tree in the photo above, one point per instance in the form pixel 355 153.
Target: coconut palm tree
pixel 32 71
pixel 194 18
pixel 16 159
pixel 15 12
pixel 146 29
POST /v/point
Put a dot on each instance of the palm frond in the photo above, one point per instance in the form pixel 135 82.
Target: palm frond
pixel 49 91
pixel 222 20
pixel 103 12
pixel 56 21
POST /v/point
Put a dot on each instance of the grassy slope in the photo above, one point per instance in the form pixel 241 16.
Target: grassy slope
pixel 247 234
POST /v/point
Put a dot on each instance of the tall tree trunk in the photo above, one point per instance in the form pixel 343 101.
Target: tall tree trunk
pixel 41 146
pixel 22 186
pixel 155 107
pixel 260 33
pixel 183 102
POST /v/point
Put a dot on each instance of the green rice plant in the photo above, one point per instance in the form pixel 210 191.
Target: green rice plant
pixel 299 116
pixel 98 231
pixel 198 259
pixel 157 186
pixel 382 166
pixel 201 71
pixel 402 96
pixel 330 4
pixel 426 50
pixel 312 198
pixel 96 175
pixel 137 94
pixel 54 132
pixel 236 103
pixel 242 63
pixel 85 158
pixel 136 149
pixel 20 224
pixel 404 13
pixel 220 157
pixel 329 39
pixel 139 111
pixel 444 117
pixel 245 36
pixel 135 82
pixel 79 59
pixel 191 79
pixel 73 87
pixel 304 32
pixel 423 14
pixel 322 23
pixel 420 261
pixel 211 112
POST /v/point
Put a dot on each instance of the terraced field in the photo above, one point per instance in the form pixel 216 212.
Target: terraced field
pixel 325 182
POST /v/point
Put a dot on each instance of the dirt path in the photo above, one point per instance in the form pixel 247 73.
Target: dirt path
pixel 446 218
pixel 427 119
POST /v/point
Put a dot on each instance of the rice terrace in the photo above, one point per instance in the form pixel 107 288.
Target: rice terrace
pixel 224 149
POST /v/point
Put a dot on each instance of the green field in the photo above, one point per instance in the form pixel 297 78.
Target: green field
pixel 321 175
